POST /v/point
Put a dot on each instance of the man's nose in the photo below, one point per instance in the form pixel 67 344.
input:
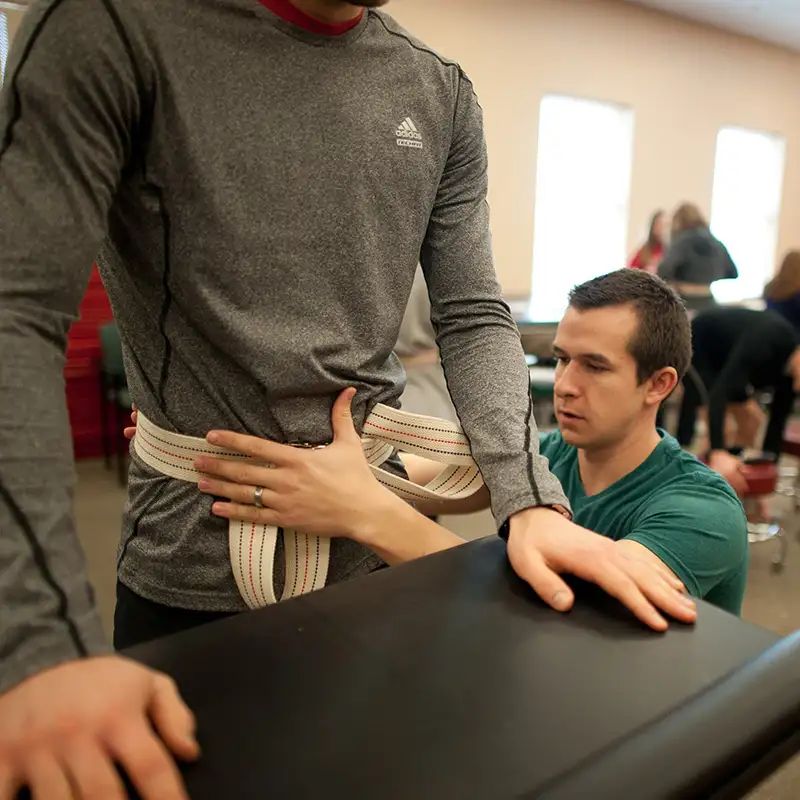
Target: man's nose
pixel 566 383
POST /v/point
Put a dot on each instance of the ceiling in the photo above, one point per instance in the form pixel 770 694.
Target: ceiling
pixel 776 21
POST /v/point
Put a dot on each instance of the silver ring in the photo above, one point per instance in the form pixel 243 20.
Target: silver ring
pixel 257 492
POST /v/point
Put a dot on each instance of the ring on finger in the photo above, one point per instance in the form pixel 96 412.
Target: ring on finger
pixel 257 492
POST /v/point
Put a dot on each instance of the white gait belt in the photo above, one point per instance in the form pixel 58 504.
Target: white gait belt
pixel 252 545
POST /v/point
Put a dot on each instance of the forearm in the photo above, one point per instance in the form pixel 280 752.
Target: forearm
pixel 422 471
pixel 465 505
pixel 46 611
pixel 489 384
pixel 397 532
pixel 480 345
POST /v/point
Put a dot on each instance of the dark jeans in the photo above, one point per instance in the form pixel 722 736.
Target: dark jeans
pixel 137 620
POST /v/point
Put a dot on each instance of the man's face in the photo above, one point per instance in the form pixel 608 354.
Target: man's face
pixel 597 396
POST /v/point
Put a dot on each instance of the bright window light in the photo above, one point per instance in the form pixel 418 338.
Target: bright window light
pixel 746 207
pixel 583 180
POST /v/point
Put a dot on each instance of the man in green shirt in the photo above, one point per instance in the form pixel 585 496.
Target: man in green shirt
pixel 622 347
pixel 672 505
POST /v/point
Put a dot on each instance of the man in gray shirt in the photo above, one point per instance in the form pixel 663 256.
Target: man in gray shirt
pixel 260 179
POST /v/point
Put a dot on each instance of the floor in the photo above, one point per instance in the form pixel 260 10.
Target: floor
pixel 773 600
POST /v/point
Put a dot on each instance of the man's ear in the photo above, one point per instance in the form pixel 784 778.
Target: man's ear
pixel 661 385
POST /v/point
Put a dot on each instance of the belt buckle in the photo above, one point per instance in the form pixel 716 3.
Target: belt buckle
pixel 307 445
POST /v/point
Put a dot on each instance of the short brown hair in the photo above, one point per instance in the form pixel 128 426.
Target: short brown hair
pixel 663 336
pixel 686 217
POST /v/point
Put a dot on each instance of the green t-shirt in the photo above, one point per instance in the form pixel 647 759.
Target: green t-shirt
pixel 678 508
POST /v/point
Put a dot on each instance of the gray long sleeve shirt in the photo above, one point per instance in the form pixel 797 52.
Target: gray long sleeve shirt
pixel 259 197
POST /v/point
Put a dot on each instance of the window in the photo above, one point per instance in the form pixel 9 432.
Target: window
pixel 745 207
pixel 583 178
pixel 3 45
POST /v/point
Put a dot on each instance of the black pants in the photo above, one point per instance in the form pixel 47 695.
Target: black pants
pixel 695 395
pixel 137 620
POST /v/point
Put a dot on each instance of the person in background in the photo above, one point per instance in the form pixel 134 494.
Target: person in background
pixel 738 350
pixel 649 255
pixel 695 259
pixel 426 387
pixel 782 293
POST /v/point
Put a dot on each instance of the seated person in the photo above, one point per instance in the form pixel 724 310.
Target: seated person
pixel 622 347
pixel 695 259
pixel 735 351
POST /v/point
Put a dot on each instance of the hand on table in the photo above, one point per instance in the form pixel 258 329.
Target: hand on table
pixel 731 468
pixel 62 731
pixel 543 545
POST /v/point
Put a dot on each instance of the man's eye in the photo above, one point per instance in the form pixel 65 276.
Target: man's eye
pixel 595 368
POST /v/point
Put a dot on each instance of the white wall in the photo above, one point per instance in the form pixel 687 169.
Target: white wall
pixel 683 81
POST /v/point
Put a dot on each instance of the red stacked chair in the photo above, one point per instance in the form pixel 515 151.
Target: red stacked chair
pixel 762 479
pixel 82 371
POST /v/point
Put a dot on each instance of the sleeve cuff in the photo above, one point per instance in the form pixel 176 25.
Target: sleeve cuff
pixel 504 512
pixel 45 650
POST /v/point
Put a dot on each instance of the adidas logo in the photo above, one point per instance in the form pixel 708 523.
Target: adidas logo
pixel 408 135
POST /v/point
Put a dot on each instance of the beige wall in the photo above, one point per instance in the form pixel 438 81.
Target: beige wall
pixel 683 81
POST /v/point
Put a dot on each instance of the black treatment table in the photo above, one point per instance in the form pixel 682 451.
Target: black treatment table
pixel 446 678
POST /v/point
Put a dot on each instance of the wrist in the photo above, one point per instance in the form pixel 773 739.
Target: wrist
pixel 531 516
pixel 369 525
pixel 534 511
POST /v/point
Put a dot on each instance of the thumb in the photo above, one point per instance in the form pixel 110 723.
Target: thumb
pixel 342 418
pixel 173 720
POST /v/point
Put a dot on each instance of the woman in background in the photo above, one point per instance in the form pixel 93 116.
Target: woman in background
pixel 695 259
pixel 649 255
pixel 782 293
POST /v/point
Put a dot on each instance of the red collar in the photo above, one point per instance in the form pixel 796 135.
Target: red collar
pixel 290 13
